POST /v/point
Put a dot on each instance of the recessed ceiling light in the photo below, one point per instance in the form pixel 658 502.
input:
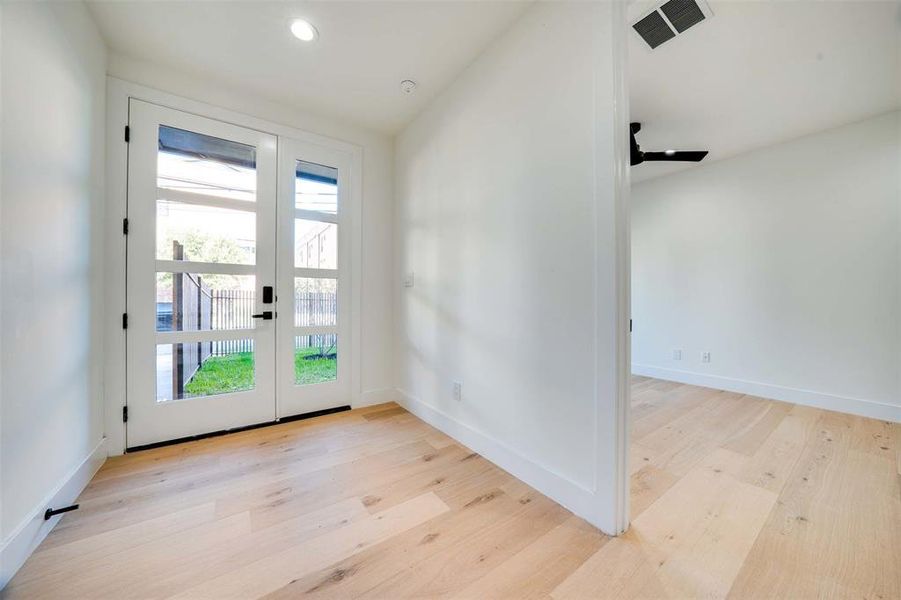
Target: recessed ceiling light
pixel 303 30
pixel 669 152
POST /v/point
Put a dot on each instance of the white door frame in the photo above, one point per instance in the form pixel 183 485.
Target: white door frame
pixel 118 94
pixel 613 427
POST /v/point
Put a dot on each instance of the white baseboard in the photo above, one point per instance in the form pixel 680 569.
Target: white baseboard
pixel 371 397
pixel 33 529
pixel 574 497
pixel 854 406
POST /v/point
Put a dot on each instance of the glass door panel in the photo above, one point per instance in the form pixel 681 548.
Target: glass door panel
pixel 203 233
pixel 315 359
pixel 314 277
pixel 201 244
pixel 195 163
pixel 315 187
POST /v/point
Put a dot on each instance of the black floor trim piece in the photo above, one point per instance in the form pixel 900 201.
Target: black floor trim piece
pixel 202 436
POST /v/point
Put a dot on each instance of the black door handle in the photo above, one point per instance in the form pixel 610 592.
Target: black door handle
pixel 266 315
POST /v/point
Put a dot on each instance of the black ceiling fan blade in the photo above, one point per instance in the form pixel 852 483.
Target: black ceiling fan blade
pixel 634 150
pixel 679 155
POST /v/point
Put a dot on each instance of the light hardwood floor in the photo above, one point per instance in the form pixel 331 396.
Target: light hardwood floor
pixel 732 496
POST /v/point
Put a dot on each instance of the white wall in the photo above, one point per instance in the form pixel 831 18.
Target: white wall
pixel 378 162
pixel 505 216
pixel 784 263
pixel 51 302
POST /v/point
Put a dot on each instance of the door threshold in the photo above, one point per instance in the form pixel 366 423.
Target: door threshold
pixel 202 436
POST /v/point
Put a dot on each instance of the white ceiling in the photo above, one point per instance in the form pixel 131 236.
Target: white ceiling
pixel 758 73
pixel 353 72
pixel 755 74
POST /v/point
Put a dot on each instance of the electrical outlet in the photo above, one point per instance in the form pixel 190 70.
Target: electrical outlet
pixel 458 391
pixel 409 279
pixel 705 357
pixel 677 354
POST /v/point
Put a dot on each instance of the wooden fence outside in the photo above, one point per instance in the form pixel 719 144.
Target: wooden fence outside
pixel 191 311
pixel 198 307
pixel 232 309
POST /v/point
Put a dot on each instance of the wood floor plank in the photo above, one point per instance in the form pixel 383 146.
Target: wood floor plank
pixel 640 457
pixel 127 573
pixel 686 544
pixel 836 528
pixel 647 485
pixel 113 511
pixel 732 495
pixel 444 477
pixel 357 575
pixel 350 480
pixel 387 413
pixel 680 445
pixel 475 556
pixel 709 559
pixel 47 561
pixel 261 543
pixel 749 439
pixel 876 437
pixel 266 575
pixel 667 407
pixel 775 459
pixel 537 569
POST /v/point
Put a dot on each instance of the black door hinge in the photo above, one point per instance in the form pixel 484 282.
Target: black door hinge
pixel 125 226
pixel 127 134
pixel 125 414
pixel 630 325
pixel 124 320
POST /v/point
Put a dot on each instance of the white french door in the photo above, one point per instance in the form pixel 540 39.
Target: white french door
pixel 237 288
pixel 313 349
pixel 201 215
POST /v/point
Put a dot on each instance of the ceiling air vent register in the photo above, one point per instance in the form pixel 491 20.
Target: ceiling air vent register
pixel 670 19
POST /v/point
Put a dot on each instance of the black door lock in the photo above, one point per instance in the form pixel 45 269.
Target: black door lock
pixel 266 315
pixel 267 294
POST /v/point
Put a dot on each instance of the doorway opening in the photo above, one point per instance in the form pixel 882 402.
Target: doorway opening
pixel 237 266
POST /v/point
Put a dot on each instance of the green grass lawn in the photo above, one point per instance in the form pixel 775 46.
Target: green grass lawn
pixel 234 373
pixel 313 370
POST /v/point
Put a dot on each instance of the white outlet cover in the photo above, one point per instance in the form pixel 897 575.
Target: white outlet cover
pixel 409 279
pixel 677 355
